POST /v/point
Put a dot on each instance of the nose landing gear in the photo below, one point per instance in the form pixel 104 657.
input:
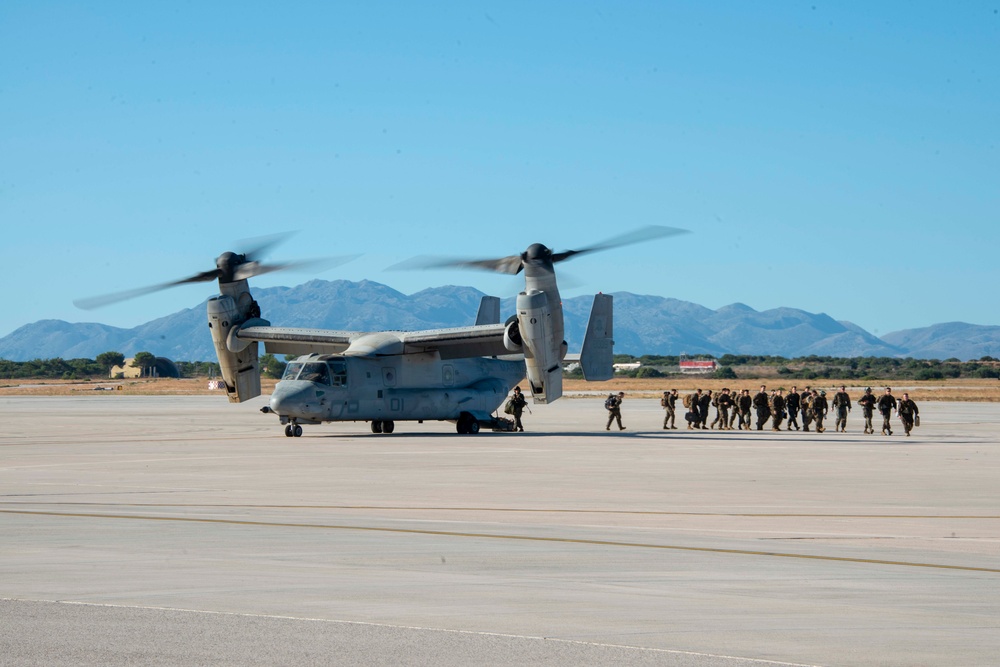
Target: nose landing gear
pixel 293 430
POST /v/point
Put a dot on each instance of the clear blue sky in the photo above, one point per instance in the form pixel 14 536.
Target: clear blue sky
pixel 836 157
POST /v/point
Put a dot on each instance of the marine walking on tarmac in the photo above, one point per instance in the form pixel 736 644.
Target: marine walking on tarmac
pixel 613 404
pixel 744 404
pixel 819 408
pixel 723 402
pixel 908 413
pixel 777 409
pixel 669 404
pixel 735 406
pixel 762 404
pixel 516 406
pixel 792 407
pixel 842 405
pixel 886 404
pixel 867 403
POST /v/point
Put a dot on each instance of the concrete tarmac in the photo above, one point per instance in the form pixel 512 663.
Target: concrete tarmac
pixel 185 530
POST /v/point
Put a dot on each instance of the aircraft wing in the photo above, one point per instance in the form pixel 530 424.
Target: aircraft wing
pixel 458 342
pixel 296 340
pixel 453 343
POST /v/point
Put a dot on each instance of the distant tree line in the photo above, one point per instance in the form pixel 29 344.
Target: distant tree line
pixel 813 367
pixel 730 366
pixel 99 368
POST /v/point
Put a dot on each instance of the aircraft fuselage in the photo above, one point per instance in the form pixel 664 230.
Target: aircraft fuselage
pixel 411 387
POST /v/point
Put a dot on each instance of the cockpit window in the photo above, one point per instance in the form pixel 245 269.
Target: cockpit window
pixel 315 372
pixel 291 371
pixel 339 371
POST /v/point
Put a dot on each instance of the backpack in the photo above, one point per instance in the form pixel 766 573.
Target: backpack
pixel 509 408
pixel 609 402
pixel 687 400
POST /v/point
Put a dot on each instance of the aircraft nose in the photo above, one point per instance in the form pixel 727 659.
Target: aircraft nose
pixel 289 400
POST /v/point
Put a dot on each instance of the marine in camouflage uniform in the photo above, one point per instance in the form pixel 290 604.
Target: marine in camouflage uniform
pixel 805 405
pixel 745 403
pixel 722 404
pixel 886 404
pixel 518 403
pixel 669 403
pixel 907 410
pixel 691 403
pixel 777 409
pixel 734 413
pixel 842 404
pixel 819 406
pixel 615 412
pixel 867 403
pixel 704 403
pixel 792 406
pixel 762 404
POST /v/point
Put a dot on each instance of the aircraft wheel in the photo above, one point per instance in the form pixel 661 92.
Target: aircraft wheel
pixel 297 431
pixel 288 431
pixel 388 426
pixel 376 426
pixel 467 424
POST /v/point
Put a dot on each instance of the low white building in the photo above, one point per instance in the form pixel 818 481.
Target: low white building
pixel 626 367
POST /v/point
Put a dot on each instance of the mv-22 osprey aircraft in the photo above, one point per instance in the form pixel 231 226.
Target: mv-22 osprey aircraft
pixel 459 374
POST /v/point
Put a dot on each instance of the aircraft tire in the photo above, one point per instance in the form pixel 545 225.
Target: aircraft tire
pixel 288 431
pixel 467 424
pixel 388 426
pixel 297 431
pixel 376 426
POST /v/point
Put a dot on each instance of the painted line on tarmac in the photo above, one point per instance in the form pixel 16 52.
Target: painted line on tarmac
pixel 480 633
pixel 523 538
pixel 525 510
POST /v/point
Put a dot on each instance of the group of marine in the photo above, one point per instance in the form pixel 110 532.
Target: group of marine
pixel 776 406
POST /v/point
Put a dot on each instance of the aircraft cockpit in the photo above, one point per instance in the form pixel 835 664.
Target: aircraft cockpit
pixel 331 373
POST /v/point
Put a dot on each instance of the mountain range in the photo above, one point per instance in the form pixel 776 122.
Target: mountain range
pixel 642 325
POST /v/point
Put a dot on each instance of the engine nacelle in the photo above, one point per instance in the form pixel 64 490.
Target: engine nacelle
pixel 512 336
pixel 542 352
pixel 240 365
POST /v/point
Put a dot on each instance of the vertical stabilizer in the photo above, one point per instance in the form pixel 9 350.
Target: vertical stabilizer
pixel 489 311
pixel 597 355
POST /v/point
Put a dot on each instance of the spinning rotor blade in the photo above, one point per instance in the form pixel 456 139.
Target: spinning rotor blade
pixel 262 245
pixel 93 302
pixel 510 265
pixel 513 264
pixel 230 267
pixel 251 269
pixel 628 238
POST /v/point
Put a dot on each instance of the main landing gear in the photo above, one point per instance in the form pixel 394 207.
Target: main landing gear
pixel 293 431
pixel 383 426
pixel 467 424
